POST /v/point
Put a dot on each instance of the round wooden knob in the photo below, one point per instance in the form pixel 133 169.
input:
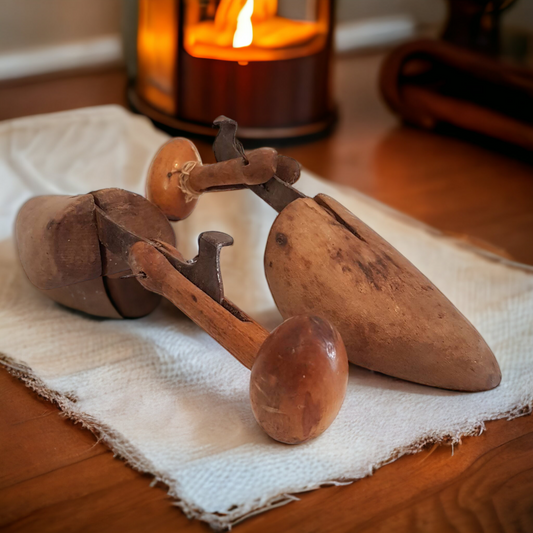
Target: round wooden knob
pixel 163 181
pixel 299 379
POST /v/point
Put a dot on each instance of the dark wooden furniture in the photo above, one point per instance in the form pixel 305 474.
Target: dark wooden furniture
pixel 432 83
pixel 55 476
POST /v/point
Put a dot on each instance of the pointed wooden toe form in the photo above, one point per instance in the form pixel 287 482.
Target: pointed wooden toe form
pixel 323 260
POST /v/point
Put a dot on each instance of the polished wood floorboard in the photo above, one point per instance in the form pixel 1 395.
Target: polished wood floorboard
pixel 55 476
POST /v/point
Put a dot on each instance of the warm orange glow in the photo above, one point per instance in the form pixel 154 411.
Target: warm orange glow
pixel 156 45
pixel 244 32
pixel 250 30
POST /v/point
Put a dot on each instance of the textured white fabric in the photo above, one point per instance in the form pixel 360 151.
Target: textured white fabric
pixel 166 397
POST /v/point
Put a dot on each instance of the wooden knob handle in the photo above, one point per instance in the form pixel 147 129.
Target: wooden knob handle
pixel 162 183
pixel 177 177
pixel 299 379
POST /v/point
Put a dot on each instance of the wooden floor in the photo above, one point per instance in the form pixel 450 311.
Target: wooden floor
pixel 54 476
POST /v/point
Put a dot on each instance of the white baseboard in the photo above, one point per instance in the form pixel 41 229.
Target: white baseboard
pixel 368 33
pixel 40 60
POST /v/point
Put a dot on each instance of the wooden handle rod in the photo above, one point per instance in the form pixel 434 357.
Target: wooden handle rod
pixel 259 167
pixel 240 335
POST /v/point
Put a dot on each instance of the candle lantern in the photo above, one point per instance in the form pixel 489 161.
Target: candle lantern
pixel 265 63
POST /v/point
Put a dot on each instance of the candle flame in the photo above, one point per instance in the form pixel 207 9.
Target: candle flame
pixel 244 33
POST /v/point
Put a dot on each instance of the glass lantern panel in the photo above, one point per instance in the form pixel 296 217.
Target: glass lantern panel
pixel 156 53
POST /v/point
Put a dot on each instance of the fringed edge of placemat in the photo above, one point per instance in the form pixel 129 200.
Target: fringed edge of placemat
pixel 123 449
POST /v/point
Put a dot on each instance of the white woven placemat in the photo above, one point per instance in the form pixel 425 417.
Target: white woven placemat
pixel 173 403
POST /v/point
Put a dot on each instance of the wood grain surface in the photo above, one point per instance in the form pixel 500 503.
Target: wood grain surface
pixel 55 476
